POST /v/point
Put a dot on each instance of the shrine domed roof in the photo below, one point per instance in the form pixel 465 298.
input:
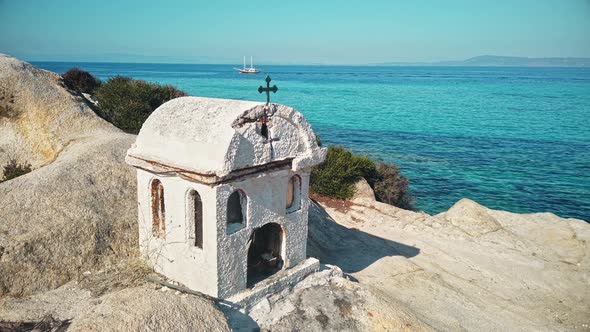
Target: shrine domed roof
pixel 210 136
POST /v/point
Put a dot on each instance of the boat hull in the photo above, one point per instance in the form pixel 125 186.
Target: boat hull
pixel 249 71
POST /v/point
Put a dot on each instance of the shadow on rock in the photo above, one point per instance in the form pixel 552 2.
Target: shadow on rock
pixel 237 320
pixel 350 249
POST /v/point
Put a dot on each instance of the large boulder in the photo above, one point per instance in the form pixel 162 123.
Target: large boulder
pixel 363 191
pixel 39 117
pixel 78 212
pixel 143 307
pixel 148 309
pixel 329 301
pixel 73 215
pixel 471 217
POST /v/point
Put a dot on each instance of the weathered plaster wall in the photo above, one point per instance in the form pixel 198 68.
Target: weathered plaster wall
pixel 226 134
pixel 175 256
pixel 290 137
pixel 220 268
pixel 266 203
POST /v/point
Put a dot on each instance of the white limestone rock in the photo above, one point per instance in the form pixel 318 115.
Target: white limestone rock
pixel 486 270
pixel 139 308
pixel 472 218
pixel 363 191
pixel 145 309
pixel 74 214
pixel 326 301
pixel 39 117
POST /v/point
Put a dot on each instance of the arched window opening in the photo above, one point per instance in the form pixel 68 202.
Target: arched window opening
pixel 235 208
pixel 195 213
pixel 158 209
pixel 293 194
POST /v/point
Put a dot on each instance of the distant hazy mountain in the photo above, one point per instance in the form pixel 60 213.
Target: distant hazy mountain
pixel 506 61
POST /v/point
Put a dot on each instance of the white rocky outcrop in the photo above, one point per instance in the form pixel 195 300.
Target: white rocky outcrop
pixel 39 117
pixel 136 308
pixel 76 212
pixel 363 191
pixel 470 268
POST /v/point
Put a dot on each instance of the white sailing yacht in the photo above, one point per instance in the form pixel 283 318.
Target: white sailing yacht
pixel 250 70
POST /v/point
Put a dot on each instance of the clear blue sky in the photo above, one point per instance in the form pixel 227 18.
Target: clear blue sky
pixel 302 31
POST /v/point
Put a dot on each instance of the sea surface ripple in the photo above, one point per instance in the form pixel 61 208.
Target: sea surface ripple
pixel 515 139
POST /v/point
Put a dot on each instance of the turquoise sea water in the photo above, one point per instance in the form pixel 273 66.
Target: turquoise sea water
pixel 516 139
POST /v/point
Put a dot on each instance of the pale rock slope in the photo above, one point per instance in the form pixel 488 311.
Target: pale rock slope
pixel 470 268
pixel 38 116
pixel 63 218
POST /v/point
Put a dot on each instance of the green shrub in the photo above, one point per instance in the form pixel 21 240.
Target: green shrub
pixel 80 80
pixel 391 187
pixel 127 102
pixel 336 176
pixel 12 169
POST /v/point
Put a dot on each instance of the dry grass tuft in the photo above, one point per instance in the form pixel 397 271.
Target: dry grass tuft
pixel 126 274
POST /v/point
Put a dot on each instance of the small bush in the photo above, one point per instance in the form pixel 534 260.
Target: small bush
pixel 336 176
pixel 127 102
pixel 80 80
pixel 12 169
pixel 391 187
pixel 7 108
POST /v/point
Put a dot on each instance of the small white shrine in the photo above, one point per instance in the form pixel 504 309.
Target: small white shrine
pixel 223 194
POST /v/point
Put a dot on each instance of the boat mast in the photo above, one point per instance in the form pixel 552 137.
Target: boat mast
pixel 251 66
pixel 244 62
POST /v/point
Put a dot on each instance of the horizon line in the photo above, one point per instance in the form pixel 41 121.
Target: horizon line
pixel 363 64
pixel 379 64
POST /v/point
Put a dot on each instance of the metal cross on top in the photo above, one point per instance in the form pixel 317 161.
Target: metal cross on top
pixel 268 89
pixel 265 118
